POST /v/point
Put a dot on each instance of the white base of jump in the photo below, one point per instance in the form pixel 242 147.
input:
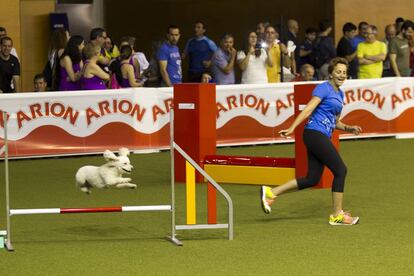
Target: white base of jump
pixel 174 240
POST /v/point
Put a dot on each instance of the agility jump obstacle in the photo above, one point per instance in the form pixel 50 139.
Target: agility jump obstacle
pixel 198 138
pixel 6 236
pixel 194 108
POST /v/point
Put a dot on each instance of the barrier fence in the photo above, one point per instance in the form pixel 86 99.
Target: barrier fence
pixel 78 122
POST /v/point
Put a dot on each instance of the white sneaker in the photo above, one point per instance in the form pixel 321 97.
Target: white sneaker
pixel 343 218
pixel 267 198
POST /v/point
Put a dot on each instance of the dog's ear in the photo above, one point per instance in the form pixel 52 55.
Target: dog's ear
pixel 123 152
pixel 109 155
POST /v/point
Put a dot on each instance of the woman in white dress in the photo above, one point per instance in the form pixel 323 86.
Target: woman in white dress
pixel 253 60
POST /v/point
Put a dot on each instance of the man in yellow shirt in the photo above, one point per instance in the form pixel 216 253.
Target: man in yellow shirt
pixel 275 48
pixel 371 54
pixel 111 50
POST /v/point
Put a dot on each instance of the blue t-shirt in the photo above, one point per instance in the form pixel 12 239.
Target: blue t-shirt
pixel 171 54
pixel 199 50
pixel 356 40
pixel 323 118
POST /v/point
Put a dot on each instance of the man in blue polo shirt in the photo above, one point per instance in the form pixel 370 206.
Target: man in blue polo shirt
pixel 360 37
pixel 199 50
pixel 169 59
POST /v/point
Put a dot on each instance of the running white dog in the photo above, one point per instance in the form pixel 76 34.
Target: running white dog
pixel 107 175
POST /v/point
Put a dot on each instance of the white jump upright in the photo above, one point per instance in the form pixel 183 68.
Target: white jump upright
pixel 174 227
pixel 170 207
pixel 7 243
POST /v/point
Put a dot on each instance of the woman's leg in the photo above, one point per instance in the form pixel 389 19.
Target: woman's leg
pixel 329 156
pixel 315 168
pixel 288 186
pixel 337 200
pixel 324 151
pixel 321 152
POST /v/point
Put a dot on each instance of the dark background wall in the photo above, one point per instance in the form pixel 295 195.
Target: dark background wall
pixel 27 20
pixel 148 20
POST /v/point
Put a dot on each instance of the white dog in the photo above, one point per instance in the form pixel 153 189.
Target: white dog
pixel 107 175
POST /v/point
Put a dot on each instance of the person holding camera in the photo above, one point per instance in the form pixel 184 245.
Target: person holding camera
pixel 253 60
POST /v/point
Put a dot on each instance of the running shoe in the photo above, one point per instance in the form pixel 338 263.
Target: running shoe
pixel 267 198
pixel 343 218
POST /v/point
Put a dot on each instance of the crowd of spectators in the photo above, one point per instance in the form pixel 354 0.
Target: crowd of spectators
pixel 264 56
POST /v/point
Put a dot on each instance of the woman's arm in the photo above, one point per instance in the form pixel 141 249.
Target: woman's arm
pixel 243 62
pixel 66 63
pixel 341 126
pixel 131 77
pixel 97 71
pixel 309 108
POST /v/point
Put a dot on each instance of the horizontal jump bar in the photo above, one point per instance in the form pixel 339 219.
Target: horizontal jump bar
pixel 201 226
pixel 90 210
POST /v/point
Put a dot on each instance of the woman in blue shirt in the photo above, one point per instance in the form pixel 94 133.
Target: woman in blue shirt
pixel 324 110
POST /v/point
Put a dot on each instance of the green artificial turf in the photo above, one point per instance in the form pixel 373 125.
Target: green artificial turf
pixel 295 239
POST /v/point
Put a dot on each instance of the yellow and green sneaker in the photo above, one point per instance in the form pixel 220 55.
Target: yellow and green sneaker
pixel 267 198
pixel 343 218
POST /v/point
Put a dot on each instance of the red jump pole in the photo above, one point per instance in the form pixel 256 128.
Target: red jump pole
pixel 90 210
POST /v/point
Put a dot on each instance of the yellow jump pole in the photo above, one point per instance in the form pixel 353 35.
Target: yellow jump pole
pixel 190 193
